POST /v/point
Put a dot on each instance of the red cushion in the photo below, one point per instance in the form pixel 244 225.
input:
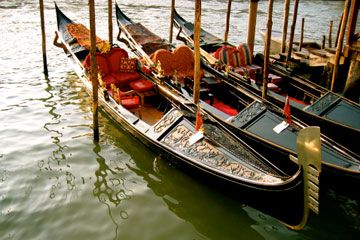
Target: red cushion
pixel 128 64
pixel 114 58
pixel 130 102
pixel 141 85
pixel 244 54
pixel 225 54
pixel 123 79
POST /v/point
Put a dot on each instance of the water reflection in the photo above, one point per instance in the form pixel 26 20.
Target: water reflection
pixel 205 209
pixel 56 163
pixel 110 187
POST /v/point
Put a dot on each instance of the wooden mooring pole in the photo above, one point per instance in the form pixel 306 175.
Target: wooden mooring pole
pixel 285 25
pixel 227 21
pixel 339 43
pixel 197 70
pixel 330 34
pixel 338 30
pixel 267 48
pixel 110 22
pixel 171 29
pixel 253 6
pixel 292 31
pixel 301 34
pixel 43 35
pixel 94 71
pixel 353 53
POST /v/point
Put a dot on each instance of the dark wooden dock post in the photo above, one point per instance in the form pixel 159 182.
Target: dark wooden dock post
pixel 339 43
pixel 353 53
pixel 285 25
pixel 110 22
pixel 253 5
pixel 330 34
pixel 227 21
pixel 43 35
pixel 94 72
pixel 291 41
pixel 171 21
pixel 267 48
pixel 301 34
pixel 197 70
pixel 338 30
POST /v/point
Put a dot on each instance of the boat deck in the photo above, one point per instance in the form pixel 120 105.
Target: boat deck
pixel 150 114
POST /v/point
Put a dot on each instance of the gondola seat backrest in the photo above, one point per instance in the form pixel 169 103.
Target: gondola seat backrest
pixel 239 58
pixel 180 60
pixel 115 68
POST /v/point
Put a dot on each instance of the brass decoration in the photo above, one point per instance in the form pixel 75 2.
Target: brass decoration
pixel 309 155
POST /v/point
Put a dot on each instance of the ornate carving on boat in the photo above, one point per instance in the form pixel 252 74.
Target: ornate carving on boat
pixel 167 121
pixel 221 138
pixel 322 103
pixel 248 114
pixel 206 153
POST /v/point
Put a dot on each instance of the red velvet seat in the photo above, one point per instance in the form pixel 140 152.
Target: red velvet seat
pixel 130 102
pixel 111 70
pixel 240 59
pixel 143 88
pixel 141 85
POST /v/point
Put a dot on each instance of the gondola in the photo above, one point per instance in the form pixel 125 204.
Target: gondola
pixel 166 122
pixel 248 116
pixel 311 103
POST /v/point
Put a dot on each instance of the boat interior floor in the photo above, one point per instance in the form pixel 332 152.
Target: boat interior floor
pixel 150 113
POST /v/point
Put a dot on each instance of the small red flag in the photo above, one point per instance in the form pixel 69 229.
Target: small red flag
pixel 198 122
pixel 286 110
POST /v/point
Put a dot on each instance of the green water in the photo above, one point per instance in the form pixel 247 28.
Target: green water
pixel 56 183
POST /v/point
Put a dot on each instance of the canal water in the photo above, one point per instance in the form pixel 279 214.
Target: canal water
pixel 56 183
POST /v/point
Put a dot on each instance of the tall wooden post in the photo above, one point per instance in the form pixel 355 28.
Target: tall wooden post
pixel 94 72
pixel 197 70
pixel 330 34
pixel 301 34
pixel 110 21
pixel 292 32
pixel 285 25
pixel 353 78
pixel 171 21
pixel 41 2
pixel 267 47
pixel 338 30
pixel 227 21
pixel 253 5
pixel 339 43
pixel 352 21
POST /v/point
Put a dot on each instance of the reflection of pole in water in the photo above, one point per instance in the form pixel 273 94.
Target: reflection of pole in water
pixel 109 187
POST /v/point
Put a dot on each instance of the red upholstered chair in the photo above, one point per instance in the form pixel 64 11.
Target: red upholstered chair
pixel 115 67
pixel 128 99
pixel 143 88
pixel 121 68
